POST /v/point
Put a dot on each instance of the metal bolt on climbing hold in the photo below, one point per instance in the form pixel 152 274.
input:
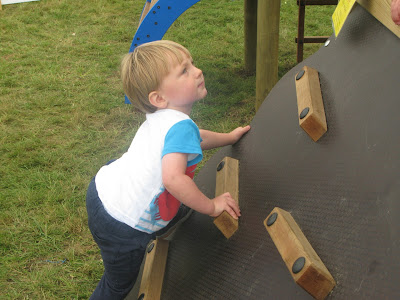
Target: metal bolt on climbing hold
pixel 327 43
pixel 300 74
pixel 304 113
pixel 220 166
pixel 298 265
pixel 272 218
pixel 150 248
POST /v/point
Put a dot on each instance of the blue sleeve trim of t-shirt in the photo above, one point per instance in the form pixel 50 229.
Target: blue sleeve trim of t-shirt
pixel 184 137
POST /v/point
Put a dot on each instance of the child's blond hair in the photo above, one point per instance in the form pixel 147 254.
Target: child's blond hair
pixel 143 70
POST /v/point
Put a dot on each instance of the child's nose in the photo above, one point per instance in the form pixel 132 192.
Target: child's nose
pixel 198 72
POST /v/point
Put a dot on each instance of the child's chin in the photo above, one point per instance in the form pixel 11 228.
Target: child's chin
pixel 204 93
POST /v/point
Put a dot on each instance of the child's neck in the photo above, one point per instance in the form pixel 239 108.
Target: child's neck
pixel 184 109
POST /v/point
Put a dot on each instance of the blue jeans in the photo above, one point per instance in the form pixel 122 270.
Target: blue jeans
pixel 122 247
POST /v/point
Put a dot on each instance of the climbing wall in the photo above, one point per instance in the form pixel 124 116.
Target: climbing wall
pixel 343 190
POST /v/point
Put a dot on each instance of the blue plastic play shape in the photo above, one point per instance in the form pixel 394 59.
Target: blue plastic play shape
pixel 157 21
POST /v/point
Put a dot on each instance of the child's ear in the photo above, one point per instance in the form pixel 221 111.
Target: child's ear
pixel 157 100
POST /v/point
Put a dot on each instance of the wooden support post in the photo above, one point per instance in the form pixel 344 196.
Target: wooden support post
pixel 0 5
pixel 153 271
pixel 268 15
pixel 300 30
pixel 250 35
pixel 304 264
pixel 309 103
pixel 227 181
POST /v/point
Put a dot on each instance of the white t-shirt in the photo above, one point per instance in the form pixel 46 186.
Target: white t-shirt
pixel 131 187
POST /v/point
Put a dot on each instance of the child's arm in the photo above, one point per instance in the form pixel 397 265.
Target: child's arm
pixel 215 139
pixel 183 188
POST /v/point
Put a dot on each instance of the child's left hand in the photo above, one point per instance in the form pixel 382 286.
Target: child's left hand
pixel 237 133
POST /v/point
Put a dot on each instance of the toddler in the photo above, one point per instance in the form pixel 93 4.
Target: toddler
pixel 134 198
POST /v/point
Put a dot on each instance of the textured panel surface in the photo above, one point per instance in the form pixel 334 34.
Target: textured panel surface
pixel 343 191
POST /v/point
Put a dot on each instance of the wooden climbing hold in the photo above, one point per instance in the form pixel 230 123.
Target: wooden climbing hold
pixel 227 180
pixel 153 271
pixel 310 106
pixel 305 266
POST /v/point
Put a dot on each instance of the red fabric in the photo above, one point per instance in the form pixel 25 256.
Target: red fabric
pixel 168 205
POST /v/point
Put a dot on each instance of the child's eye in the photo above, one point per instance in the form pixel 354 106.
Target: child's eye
pixel 184 71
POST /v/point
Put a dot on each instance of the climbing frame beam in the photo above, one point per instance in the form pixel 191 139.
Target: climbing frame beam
pixel 148 5
pixel 381 10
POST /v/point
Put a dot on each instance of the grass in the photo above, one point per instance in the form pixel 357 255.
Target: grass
pixel 62 117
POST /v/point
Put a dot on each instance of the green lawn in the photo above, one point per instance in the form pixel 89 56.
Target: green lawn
pixel 62 116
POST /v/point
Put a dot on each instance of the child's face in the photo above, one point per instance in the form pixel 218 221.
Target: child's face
pixel 183 86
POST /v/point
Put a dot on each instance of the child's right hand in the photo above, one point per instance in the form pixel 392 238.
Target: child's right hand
pixel 237 133
pixel 225 202
pixel 395 11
